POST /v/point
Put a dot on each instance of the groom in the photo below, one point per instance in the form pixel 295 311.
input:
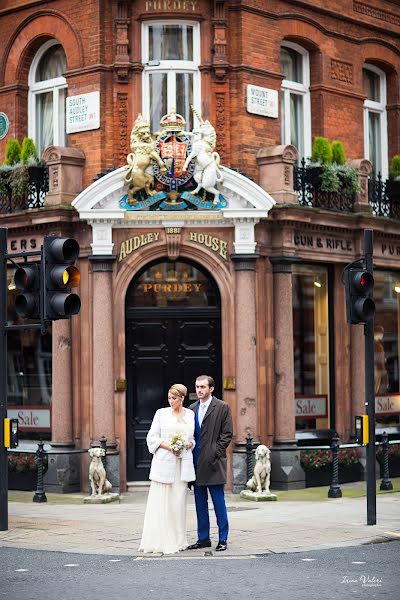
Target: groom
pixel 213 434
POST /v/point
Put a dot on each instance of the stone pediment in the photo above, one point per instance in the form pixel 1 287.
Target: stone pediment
pixel 100 201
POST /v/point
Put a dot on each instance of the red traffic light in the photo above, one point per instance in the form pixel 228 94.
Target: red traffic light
pixel 361 281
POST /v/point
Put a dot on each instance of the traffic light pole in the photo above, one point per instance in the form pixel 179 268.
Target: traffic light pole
pixel 3 382
pixel 370 392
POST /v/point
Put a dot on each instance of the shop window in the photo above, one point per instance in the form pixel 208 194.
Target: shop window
pixel 295 98
pixel 375 119
pixel 387 347
pixel 311 347
pixel 171 76
pixel 47 89
pixel 29 373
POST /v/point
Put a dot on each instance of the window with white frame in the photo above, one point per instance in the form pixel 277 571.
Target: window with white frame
pixel 46 103
pixel 295 98
pixel 375 119
pixel 171 76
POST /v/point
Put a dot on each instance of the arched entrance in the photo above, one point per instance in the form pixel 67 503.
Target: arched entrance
pixel 173 334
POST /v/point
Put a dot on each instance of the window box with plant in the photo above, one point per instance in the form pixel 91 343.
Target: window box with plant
pixel 328 182
pixel 23 177
pixel 393 183
pixel 317 465
pixel 22 471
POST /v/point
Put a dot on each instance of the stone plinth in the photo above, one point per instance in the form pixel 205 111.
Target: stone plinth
pixel 276 172
pixel 104 499
pixel 364 168
pixel 258 496
pixel 65 174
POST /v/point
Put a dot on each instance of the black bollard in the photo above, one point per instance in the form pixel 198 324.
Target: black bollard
pixel 335 491
pixel 386 484
pixel 249 457
pixel 40 495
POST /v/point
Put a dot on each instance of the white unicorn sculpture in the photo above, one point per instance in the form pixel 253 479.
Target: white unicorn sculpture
pixel 207 173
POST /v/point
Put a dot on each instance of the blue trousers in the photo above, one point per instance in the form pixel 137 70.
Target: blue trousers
pixel 203 519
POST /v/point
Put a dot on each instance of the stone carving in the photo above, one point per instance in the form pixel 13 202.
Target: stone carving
pixel 376 13
pixel 207 173
pixel 139 160
pixel 123 125
pixel 97 473
pixel 341 70
pixel 258 485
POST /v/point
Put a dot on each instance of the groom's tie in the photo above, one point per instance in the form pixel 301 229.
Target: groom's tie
pixel 202 412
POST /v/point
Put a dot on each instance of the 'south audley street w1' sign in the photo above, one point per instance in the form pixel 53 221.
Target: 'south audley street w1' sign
pixel 178 171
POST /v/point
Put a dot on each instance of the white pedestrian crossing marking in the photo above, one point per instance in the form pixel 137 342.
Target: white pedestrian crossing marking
pixel 21 570
pixel 358 562
pixel 71 565
pixel 308 559
pixel 114 560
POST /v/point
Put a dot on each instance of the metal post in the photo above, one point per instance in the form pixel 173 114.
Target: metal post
pixel 335 491
pixel 370 391
pixel 386 484
pixel 249 457
pixel 40 495
pixel 3 382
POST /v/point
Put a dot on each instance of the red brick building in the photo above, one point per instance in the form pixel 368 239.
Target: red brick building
pixel 270 321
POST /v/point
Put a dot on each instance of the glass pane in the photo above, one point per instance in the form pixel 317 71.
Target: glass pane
pixel 170 42
pixel 292 65
pixel 371 84
pixel 310 334
pixel 44 120
pixel 52 64
pixel 184 97
pixel 374 133
pixel 387 344
pixel 158 98
pixel 173 284
pixel 296 122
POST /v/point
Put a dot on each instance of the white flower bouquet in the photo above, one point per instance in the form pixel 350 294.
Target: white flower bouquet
pixel 178 443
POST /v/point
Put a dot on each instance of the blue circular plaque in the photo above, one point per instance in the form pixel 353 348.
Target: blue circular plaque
pixel 4 125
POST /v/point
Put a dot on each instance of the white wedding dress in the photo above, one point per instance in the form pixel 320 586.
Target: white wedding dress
pixel 164 528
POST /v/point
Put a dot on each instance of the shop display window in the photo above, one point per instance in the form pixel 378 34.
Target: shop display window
pixel 387 347
pixel 311 347
pixel 171 76
pixel 29 374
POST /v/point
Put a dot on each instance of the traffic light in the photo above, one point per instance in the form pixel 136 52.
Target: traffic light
pixel 27 279
pixel 359 284
pixel 59 276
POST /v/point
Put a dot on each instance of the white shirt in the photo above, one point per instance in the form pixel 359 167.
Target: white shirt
pixel 203 407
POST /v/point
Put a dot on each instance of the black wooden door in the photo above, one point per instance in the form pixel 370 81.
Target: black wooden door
pixel 165 346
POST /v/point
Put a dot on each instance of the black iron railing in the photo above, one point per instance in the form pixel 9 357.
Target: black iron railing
pixel 384 201
pixel 307 185
pixel 33 194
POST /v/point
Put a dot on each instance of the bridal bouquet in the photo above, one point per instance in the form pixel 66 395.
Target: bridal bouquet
pixel 177 443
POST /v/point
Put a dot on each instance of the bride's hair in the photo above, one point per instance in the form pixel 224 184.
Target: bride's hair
pixel 179 389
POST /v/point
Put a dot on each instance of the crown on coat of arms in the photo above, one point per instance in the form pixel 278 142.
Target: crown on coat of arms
pixel 172 121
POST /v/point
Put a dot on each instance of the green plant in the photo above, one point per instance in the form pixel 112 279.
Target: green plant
pixel 4 180
pixel 314 460
pixel 19 181
pixel 338 155
pixel 13 152
pixel 329 179
pixel 395 167
pixel 321 151
pixel 28 151
pixel 22 463
pixel 349 180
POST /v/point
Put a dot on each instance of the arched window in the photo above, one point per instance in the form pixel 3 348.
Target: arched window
pixel 47 89
pixel 171 76
pixel 295 98
pixel 375 119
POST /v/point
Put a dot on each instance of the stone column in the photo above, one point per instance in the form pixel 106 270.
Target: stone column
pixel 63 472
pixel 246 363
pixel 364 168
pixel 276 172
pixel 286 470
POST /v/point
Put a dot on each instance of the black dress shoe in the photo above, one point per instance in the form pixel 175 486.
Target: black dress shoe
pixel 200 544
pixel 221 546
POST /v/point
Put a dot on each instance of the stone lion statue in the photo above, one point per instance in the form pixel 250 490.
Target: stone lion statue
pixel 139 174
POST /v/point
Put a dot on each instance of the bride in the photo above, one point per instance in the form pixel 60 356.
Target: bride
pixel 164 528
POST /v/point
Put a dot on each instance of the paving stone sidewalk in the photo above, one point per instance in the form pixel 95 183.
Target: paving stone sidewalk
pixel 255 528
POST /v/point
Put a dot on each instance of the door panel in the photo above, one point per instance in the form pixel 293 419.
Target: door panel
pixel 160 351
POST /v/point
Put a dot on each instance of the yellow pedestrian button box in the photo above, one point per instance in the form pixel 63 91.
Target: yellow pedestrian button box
pixel 362 434
pixel 10 433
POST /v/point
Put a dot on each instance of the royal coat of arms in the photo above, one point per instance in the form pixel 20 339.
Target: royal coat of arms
pixel 174 169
